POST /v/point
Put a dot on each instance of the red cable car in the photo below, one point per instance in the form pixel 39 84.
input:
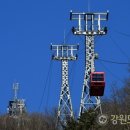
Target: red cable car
pixel 97 83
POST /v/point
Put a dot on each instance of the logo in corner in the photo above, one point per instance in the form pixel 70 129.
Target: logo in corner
pixel 102 119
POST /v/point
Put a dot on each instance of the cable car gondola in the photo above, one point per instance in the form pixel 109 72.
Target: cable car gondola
pixel 97 83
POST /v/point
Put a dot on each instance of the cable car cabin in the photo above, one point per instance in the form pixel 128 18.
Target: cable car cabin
pixel 97 83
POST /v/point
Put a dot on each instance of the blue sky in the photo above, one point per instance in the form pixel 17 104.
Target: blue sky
pixel 28 27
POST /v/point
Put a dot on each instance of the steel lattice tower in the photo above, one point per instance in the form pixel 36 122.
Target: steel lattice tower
pixel 89 25
pixel 64 53
pixel 16 106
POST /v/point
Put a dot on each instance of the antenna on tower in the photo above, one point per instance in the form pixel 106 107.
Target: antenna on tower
pixel 64 37
pixel 15 88
pixel 88 5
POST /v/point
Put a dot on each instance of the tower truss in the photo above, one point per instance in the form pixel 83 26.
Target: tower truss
pixel 64 53
pixel 89 25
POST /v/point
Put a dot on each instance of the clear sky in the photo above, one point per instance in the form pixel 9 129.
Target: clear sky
pixel 28 27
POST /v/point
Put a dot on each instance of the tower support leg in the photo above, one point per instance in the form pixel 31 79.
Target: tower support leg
pixel 65 106
pixel 88 101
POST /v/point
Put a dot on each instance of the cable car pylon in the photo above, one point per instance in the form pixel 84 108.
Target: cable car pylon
pixel 64 53
pixel 89 25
